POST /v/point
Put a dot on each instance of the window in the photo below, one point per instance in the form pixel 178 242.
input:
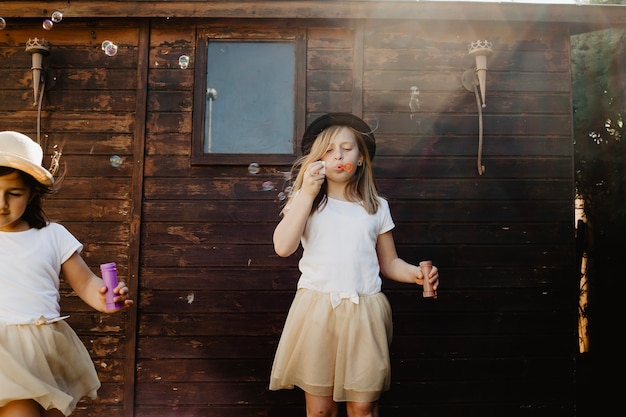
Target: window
pixel 249 97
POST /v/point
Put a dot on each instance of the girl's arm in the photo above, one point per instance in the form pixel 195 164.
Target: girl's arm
pixel 289 230
pixel 397 269
pixel 90 287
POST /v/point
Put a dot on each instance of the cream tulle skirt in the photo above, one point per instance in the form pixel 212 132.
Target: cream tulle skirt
pixel 47 363
pixel 341 352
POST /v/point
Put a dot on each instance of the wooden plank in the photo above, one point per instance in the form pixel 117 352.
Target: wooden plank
pixel 489 254
pixel 112 233
pixel 170 79
pixel 404 233
pixel 110 79
pixel 167 101
pixel 519 146
pixel 206 370
pixel 449 36
pixel 80 34
pixel 403 158
pixel 80 188
pixel 241 410
pixel 408 321
pixel 434 100
pixel 203 278
pixel 69 211
pixel 207 232
pixel 422 209
pixel 139 147
pixel 255 370
pixel 222 394
pixel 591 18
pixel 284 278
pixel 90 100
pixel 242 189
pixel 98 165
pixel 327 80
pixel 190 301
pixel 330 59
pixel 88 143
pixel 331 101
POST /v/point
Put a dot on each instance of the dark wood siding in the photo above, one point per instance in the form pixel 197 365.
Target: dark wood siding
pixel 88 111
pixel 214 295
pixel 194 243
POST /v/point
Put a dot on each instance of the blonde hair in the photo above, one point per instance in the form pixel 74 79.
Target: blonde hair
pixel 362 186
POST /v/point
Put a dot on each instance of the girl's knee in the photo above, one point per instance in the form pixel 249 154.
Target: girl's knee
pixel 21 408
pixel 320 406
pixel 362 409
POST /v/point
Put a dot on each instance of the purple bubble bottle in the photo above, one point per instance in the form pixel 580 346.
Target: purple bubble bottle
pixel 109 276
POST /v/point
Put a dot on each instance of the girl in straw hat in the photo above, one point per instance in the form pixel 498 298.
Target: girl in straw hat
pixel 44 367
pixel 335 342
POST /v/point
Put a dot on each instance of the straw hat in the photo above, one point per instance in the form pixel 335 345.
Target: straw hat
pixel 338 119
pixel 21 152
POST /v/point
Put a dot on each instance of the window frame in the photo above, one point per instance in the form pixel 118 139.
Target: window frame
pixel 203 36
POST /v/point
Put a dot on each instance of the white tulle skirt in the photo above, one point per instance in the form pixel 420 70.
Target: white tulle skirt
pixel 47 363
pixel 341 352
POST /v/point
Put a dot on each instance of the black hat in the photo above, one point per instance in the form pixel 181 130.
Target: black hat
pixel 338 119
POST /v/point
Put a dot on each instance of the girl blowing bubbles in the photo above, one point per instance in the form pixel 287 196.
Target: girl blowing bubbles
pixel 44 367
pixel 335 342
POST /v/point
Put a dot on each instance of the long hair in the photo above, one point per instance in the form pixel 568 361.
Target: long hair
pixel 34 214
pixel 362 186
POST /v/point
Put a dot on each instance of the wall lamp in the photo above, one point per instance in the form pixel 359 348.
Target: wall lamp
pixel 473 79
pixel 37 48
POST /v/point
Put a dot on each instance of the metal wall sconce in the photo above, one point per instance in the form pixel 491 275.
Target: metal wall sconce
pixel 475 78
pixel 37 48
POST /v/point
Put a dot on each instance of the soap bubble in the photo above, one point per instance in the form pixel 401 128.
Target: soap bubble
pixel 3 23
pixel 282 196
pixel 268 186
pixel 116 161
pixel 111 49
pixel 57 17
pixel 47 24
pixel 254 168
pixel 183 61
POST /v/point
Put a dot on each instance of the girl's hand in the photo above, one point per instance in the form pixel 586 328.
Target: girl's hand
pixel 314 177
pixel 121 292
pixel 433 277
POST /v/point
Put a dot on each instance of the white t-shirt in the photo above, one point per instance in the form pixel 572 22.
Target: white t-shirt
pixel 30 264
pixel 339 254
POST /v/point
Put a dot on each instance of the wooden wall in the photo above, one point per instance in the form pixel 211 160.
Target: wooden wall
pixel 214 295
pixel 195 242
pixel 88 112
